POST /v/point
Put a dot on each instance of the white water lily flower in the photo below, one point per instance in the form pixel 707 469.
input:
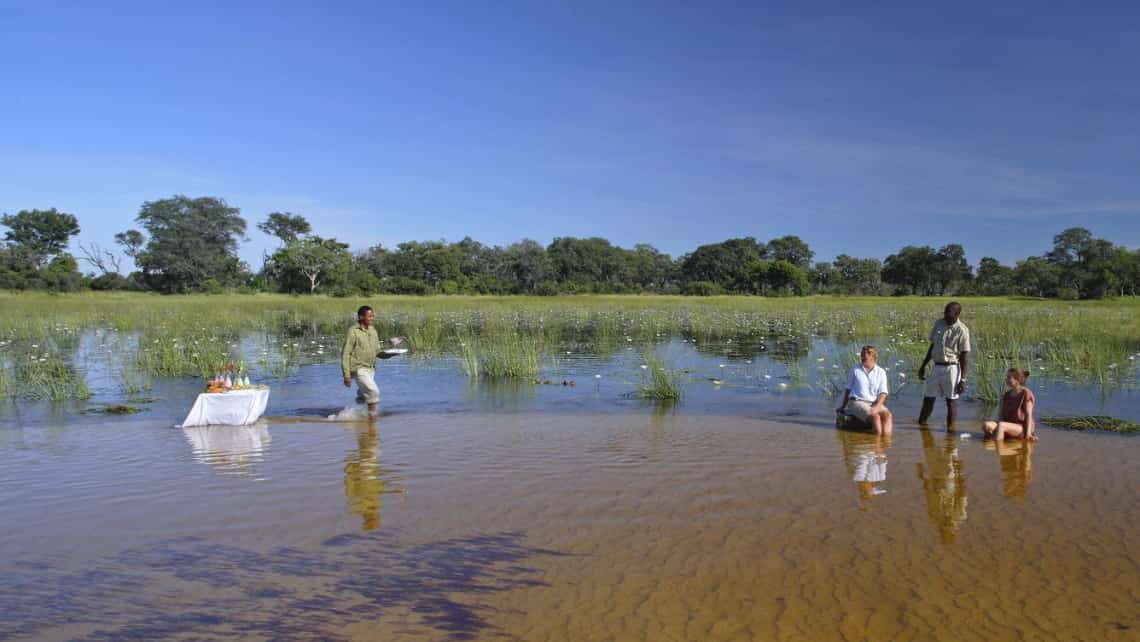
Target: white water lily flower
pixel 644 367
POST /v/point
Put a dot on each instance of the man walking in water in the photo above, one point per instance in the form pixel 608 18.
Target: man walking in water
pixel 358 359
pixel 949 347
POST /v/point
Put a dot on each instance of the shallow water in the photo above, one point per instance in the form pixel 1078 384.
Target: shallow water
pixel 564 512
pixel 557 513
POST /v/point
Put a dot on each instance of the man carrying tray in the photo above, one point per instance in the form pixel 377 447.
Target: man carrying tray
pixel 358 359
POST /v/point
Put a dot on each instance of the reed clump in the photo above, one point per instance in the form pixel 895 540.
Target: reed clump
pixel 658 382
pixel 1092 422
pixel 500 357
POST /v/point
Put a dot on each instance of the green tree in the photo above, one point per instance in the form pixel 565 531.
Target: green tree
pixel 792 249
pixel 308 263
pixel 527 265
pixel 1070 253
pixel 1036 276
pixel 785 278
pixel 824 278
pixel 586 265
pixel 647 268
pixel 43 234
pixel 913 270
pixel 993 279
pixel 725 263
pixel 859 276
pixel 951 269
pixel 132 242
pixel 192 241
pixel 286 226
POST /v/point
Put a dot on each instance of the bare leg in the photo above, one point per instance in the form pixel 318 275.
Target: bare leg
pixel 1008 429
pixel 989 427
pixel 877 424
pixel 951 414
pixel 888 422
pixel 372 410
pixel 927 408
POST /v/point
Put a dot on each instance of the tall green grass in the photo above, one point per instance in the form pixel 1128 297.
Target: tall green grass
pixel 48 377
pixel 658 381
pixel 498 357
pixel 1082 343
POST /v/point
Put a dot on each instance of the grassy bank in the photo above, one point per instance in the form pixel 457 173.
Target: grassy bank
pixel 141 336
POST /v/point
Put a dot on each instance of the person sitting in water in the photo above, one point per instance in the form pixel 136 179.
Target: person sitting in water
pixel 866 393
pixel 1016 419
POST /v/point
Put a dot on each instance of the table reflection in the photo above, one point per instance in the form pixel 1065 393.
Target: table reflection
pixel 229 449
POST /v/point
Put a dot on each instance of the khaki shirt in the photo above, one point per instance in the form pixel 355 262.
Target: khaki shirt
pixel 948 341
pixel 360 349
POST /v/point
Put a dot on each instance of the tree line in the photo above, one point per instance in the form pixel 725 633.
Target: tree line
pixel 191 245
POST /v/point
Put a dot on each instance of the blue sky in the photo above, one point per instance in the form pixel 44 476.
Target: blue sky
pixel 859 129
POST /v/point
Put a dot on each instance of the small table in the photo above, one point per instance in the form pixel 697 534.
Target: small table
pixel 233 408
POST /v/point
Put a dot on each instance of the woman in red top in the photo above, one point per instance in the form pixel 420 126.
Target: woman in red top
pixel 1016 420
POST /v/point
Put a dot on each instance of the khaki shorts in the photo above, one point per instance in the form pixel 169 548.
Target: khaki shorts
pixel 366 389
pixel 861 409
pixel 942 382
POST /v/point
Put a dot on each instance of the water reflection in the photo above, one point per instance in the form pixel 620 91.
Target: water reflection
pixel 230 450
pixel 1015 458
pixel 865 456
pixel 944 484
pixel 364 481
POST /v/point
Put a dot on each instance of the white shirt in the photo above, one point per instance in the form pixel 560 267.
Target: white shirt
pixel 867 386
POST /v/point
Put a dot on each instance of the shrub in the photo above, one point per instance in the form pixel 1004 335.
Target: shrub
pixel 701 288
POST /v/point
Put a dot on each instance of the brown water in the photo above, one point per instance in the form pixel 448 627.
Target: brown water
pixel 546 526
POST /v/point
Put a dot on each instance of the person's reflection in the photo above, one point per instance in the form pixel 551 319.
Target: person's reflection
pixel 1015 456
pixel 362 482
pixel 866 458
pixel 944 484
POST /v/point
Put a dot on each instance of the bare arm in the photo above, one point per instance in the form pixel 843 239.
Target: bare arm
pixel 961 387
pixel 925 362
pixel 1029 431
pixel 879 401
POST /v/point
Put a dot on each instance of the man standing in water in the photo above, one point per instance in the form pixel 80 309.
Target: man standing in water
pixel 358 359
pixel 949 347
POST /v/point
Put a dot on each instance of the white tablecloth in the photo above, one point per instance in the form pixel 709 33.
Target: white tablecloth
pixel 233 408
